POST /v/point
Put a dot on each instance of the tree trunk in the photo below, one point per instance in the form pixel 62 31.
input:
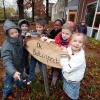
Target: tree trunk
pixel 47 10
pixel 32 10
pixel 21 9
pixel 4 10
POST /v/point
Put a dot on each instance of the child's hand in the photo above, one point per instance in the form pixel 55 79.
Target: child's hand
pixel 50 40
pixel 23 35
pixel 44 38
pixel 64 50
pixel 16 76
pixel 28 34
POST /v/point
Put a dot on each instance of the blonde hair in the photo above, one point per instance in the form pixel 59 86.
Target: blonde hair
pixel 79 34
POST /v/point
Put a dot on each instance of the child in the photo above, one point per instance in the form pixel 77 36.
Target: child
pixel 73 69
pixel 12 57
pixel 62 39
pixel 82 28
pixel 24 26
pixel 57 29
pixel 71 25
pixel 40 25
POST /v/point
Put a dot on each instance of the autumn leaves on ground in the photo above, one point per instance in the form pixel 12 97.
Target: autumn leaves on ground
pixel 90 85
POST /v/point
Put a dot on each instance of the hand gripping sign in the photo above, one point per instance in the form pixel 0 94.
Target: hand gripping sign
pixel 48 54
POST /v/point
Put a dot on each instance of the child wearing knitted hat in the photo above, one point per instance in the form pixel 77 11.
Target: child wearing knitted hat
pixel 24 25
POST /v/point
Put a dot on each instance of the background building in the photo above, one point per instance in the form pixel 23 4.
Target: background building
pixel 90 11
pixel 58 10
pixel 50 9
pixel 72 9
pixel 55 11
pixel 78 10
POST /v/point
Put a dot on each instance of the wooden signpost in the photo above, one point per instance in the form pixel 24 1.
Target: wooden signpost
pixel 48 54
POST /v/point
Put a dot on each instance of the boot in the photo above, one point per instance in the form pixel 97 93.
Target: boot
pixel 54 80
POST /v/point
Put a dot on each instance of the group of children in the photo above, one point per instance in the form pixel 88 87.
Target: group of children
pixel 15 56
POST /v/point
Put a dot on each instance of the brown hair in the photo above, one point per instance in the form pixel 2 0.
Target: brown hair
pixel 41 22
pixel 66 26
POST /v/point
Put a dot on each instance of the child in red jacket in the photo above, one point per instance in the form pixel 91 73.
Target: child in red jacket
pixel 62 39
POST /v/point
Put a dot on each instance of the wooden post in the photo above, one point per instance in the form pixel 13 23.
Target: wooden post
pixel 45 79
pixel 0 52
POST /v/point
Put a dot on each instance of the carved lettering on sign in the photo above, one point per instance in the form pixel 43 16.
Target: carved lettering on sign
pixel 48 54
pixel 46 57
pixel 39 45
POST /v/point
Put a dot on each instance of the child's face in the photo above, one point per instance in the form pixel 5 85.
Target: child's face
pixel 66 34
pixel 57 25
pixel 82 23
pixel 77 43
pixel 13 33
pixel 39 29
pixel 24 27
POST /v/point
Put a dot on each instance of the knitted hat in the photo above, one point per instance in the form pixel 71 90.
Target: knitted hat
pixel 23 21
pixel 71 24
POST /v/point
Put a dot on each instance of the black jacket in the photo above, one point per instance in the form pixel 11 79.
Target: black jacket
pixel 54 33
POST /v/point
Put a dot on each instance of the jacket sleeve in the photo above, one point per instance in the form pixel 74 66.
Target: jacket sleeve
pixel 57 39
pixel 72 65
pixel 7 61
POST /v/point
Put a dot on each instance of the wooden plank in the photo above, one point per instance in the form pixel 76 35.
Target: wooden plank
pixel 45 80
pixel 48 54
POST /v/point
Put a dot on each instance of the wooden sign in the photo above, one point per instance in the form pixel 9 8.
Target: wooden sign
pixel 48 54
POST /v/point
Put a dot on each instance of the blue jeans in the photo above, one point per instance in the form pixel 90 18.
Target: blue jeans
pixel 26 61
pixel 33 63
pixel 8 83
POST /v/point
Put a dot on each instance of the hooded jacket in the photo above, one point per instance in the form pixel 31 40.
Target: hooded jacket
pixel 23 21
pixel 12 50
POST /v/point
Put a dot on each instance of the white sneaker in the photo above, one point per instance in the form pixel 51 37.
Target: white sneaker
pixel 28 83
pixel 24 80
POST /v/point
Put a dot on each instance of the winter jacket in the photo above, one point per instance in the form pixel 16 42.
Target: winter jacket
pixel 59 40
pixel 73 70
pixel 12 50
pixel 82 29
pixel 54 33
